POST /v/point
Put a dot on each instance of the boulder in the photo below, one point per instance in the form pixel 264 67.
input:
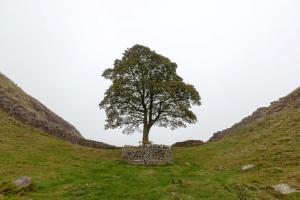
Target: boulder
pixel 284 189
pixel 22 182
pixel 247 167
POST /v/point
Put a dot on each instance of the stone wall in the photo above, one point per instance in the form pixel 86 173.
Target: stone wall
pixel 188 143
pixel 26 109
pixel 147 154
pixel 290 101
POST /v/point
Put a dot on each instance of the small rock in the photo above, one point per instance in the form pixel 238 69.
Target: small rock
pixel 22 182
pixel 187 164
pixel 246 167
pixel 284 189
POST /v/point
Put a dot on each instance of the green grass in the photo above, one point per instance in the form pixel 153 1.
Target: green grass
pixel 213 171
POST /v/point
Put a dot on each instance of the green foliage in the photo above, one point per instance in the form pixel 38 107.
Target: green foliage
pixel 210 171
pixel 146 90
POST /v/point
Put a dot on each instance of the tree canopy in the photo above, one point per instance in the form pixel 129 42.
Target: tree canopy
pixel 147 91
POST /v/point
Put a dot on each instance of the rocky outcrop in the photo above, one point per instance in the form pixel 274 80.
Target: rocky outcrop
pixel 290 101
pixel 188 143
pixel 31 112
pixel 147 154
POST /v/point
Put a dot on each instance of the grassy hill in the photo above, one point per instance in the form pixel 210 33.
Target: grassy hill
pixel 16 103
pixel 61 170
pixel 290 101
pixel 30 111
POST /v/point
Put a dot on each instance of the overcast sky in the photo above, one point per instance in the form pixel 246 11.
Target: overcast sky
pixel 240 55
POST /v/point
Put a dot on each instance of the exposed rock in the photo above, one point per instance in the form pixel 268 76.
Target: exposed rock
pixel 290 101
pixel 284 189
pixel 247 167
pixel 188 143
pixel 147 154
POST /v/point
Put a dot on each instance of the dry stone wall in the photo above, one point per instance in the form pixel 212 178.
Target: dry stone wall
pixel 147 154
pixel 38 116
pixel 290 101
pixel 188 143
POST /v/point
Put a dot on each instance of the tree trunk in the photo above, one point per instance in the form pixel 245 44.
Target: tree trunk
pixel 146 134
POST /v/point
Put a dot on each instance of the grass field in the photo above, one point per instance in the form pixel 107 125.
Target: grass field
pixel 213 171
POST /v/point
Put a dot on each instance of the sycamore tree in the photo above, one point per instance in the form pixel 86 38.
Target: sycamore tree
pixel 145 92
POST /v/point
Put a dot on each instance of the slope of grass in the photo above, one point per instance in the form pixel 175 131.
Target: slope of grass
pixel 12 91
pixel 213 171
pixel 13 97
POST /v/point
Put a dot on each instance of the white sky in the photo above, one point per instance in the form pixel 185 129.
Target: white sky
pixel 240 55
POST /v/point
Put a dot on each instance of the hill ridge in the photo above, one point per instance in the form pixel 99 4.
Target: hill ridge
pixel 292 100
pixel 25 108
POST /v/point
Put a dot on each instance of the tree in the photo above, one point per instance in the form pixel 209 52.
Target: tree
pixel 147 91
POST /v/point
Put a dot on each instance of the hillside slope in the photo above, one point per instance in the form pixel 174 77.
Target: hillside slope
pixel 290 101
pixel 28 110
pixel 210 171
